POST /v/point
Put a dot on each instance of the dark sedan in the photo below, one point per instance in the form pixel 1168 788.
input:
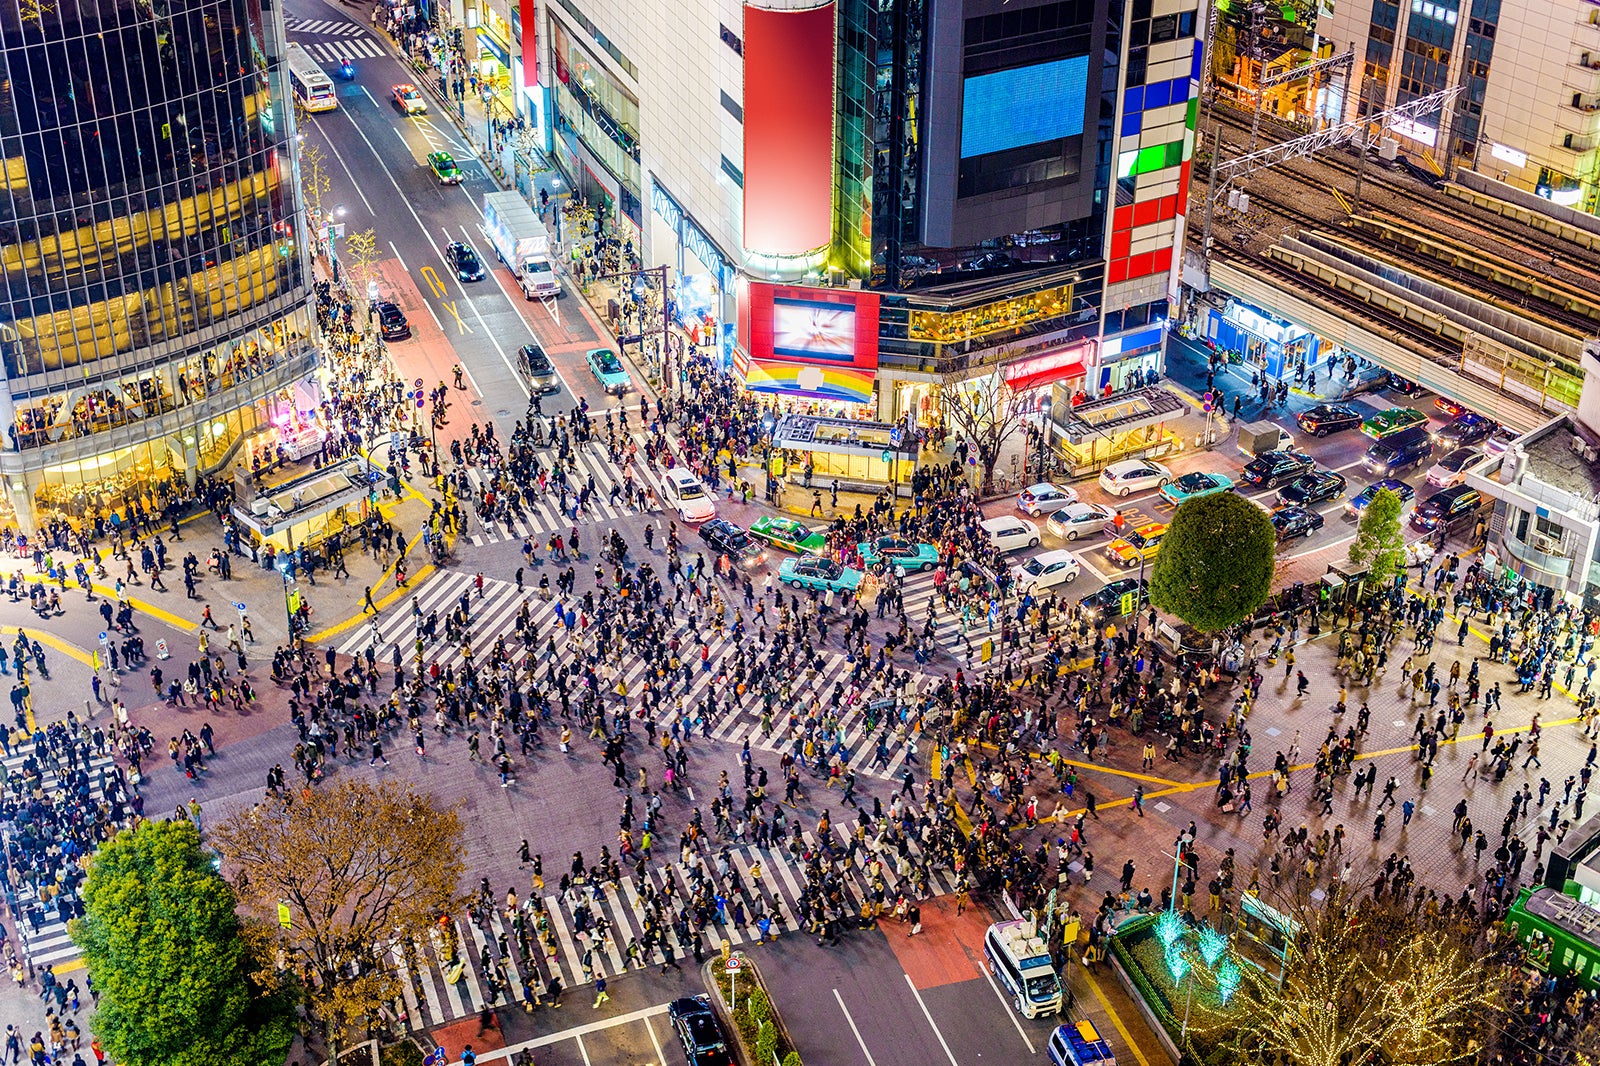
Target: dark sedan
pixel 392 322
pixel 1271 469
pixel 1115 599
pixel 538 369
pixel 725 538
pixel 1404 386
pixel 1358 503
pixel 1313 488
pixel 464 261
pixel 1468 428
pixel 704 1042
pixel 1451 508
pixel 1295 521
pixel 1327 418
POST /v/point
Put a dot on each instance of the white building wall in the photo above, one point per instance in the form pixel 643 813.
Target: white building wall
pixel 684 131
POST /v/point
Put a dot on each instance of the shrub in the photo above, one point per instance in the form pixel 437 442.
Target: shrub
pixel 759 1007
pixel 766 1042
pixel 792 1059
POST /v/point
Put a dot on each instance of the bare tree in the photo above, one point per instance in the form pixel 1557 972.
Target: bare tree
pixel 987 412
pixel 361 257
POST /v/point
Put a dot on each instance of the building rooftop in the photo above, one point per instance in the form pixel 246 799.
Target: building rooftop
pixel 1559 458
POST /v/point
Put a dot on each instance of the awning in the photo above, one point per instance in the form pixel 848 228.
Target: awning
pixel 487 43
pixel 1034 378
pixel 796 379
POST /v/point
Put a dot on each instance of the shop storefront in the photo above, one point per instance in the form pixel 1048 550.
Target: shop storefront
pixel 303 512
pixel 1266 343
pixel 1128 425
pixel 813 350
pixel 815 451
pixel 1131 360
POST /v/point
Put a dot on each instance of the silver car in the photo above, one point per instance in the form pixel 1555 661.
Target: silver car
pixel 1079 520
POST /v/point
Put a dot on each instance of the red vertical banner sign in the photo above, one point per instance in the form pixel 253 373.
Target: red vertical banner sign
pixel 788 129
pixel 530 43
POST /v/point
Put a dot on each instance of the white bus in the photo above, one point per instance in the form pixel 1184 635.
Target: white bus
pixel 312 86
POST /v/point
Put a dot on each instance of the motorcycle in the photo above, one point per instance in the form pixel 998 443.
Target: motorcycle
pixel 347 71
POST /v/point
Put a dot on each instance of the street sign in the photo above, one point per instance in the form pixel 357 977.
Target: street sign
pixel 283 914
pixel 419 383
pixel 888 456
pixel 239 607
pixel 1127 603
pixel 988 650
pixel 896 435
pixel 161 650
pixel 104 638
pixel 733 964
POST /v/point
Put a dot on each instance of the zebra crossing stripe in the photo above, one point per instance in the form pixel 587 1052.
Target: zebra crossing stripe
pixel 324 27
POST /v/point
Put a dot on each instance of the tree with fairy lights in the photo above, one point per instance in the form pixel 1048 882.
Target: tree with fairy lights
pixel 1368 977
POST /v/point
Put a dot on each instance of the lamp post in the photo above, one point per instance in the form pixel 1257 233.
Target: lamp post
pixel 283 565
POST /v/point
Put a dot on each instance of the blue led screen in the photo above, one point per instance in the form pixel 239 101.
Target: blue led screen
pixel 1024 105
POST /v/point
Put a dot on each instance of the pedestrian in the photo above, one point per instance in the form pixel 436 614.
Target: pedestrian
pixel 600 993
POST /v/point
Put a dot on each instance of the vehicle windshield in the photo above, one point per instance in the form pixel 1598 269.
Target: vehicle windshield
pixel 1043 987
pixel 467 256
pixel 1194 481
pixel 691 490
pixel 1135 538
pixel 538 363
pixel 607 361
pixel 1457 459
pixel 1033 567
pixel 539 266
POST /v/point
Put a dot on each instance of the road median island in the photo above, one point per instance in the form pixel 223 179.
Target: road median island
pixel 742 1001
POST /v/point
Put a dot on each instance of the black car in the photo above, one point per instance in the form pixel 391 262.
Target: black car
pixel 728 539
pixel 1271 469
pixel 1107 602
pixel 704 1043
pixel 538 369
pixel 1312 488
pixel 392 322
pixel 1295 521
pixel 1404 386
pixel 1468 428
pixel 464 261
pixel 1450 508
pixel 1328 418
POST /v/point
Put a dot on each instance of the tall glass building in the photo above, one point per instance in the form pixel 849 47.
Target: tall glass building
pixel 156 310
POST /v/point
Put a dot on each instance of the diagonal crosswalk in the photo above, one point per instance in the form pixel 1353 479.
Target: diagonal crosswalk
pixel 324 27
pixel 541 512
pixel 507 956
pixel 868 733
pixel 42 924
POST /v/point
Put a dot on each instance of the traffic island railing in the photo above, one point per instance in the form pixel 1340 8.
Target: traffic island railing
pixel 741 999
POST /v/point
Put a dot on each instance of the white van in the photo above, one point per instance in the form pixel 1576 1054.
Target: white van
pixel 1007 533
pixel 688 497
pixel 1020 961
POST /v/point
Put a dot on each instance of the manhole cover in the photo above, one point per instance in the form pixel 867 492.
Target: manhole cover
pixel 502 412
pixel 477 403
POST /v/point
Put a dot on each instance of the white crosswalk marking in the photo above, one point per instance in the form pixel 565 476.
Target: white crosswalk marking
pixel 622 908
pixel 39 924
pixel 541 512
pixel 324 27
pixel 333 54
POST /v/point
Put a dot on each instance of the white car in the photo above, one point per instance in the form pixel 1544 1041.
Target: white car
pixel 1079 520
pixel 690 498
pixel 1451 469
pixel 1046 570
pixel 1127 476
pixel 1007 534
pixel 1045 498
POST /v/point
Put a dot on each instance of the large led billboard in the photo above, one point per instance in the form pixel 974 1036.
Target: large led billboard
pixel 1024 105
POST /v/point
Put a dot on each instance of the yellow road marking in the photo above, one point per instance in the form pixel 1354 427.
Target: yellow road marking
pixel 1116 1019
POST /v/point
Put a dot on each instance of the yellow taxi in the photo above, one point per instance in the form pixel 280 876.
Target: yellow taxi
pixel 1139 545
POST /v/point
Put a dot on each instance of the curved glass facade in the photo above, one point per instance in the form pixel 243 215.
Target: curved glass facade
pixel 155 297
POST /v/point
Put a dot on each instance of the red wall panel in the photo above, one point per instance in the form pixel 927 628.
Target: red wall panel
pixel 530 43
pixel 788 129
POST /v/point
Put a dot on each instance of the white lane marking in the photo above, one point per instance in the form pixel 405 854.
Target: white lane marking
pixel 935 1026
pixel 403 266
pixel 1004 1005
pixel 575 1033
pixel 522 385
pixel 870 1060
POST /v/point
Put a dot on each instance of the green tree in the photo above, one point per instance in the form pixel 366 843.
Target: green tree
pixel 1379 547
pixel 163 946
pixel 1216 563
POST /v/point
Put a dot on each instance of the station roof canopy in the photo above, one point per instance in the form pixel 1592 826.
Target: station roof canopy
pixel 1123 412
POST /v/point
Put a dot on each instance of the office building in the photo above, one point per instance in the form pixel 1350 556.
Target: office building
pixel 1529 110
pixel 874 199
pixel 156 307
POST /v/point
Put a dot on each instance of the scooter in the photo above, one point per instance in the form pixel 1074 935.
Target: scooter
pixel 347 71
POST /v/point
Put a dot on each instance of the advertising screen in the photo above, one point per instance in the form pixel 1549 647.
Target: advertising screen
pixel 1024 105
pixel 814 329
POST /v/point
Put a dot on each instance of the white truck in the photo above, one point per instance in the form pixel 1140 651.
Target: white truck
pixel 521 242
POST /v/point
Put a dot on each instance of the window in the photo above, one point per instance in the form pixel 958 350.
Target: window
pixel 730 39
pixel 733 172
pixel 732 107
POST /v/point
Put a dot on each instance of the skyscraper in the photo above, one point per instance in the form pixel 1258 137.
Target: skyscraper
pixel 155 313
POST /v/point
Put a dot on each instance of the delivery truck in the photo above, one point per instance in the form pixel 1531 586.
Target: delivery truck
pixel 521 242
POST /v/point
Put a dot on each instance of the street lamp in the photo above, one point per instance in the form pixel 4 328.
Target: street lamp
pixel 283 565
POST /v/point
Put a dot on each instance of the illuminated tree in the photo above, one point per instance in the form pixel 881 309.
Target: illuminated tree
pixel 348 869
pixel 361 255
pixel 1367 980
pixel 1380 546
pixel 1216 562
